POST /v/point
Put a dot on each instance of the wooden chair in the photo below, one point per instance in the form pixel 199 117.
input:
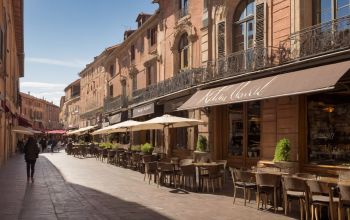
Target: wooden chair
pixel 212 176
pixel 188 175
pixel 294 188
pixel 166 170
pixel 223 164
pixel 321 195
pixel 267 184
pixel 151 169
pixel 242 180
pixel 344 200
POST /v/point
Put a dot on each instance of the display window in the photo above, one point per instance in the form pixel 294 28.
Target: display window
pixel 328 121
pixel 245 130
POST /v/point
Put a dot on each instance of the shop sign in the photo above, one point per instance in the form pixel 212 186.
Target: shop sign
pixel 293 83
pixel 115 118
pixel 143 110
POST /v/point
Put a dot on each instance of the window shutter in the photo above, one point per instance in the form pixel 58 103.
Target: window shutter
pixel 260 16
pixel 221 39
pixel 148 33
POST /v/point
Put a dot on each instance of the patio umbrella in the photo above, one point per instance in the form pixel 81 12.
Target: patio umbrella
pixel 81 130
pixel 167 121
pixel 120 127
pixel 22 130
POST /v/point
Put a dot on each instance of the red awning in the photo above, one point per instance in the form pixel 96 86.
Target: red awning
pixel 57 132
pixel 23 122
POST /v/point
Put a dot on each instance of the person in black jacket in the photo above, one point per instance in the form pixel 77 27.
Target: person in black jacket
pixel 31 153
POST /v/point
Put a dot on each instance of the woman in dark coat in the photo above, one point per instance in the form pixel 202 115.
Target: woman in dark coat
pixel 31 153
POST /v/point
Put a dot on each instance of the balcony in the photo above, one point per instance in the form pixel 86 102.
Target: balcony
pixel 115 103
pixel 183 12
pixel 242 62
pixel 183 80
pixel 317 40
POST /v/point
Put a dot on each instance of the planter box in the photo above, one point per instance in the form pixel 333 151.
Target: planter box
pixel 199 155
pixel 286 166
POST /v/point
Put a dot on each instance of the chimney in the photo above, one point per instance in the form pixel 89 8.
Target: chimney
pixel 28 93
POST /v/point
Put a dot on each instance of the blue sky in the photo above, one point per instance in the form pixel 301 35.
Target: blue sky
pixel 62 36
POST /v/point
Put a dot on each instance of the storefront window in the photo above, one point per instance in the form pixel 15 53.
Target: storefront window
pixel 329 129
pixel 245 129
pixel 253 129
pixel 236 130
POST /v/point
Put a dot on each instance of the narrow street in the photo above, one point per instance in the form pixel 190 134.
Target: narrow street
pixel 70 188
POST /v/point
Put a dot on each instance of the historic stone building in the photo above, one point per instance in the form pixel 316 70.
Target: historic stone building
pixel 70 104
pixel 11 69
pixel 41 114
pixel 256 71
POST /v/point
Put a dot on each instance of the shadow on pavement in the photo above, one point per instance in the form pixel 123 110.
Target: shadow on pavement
pixel 50 197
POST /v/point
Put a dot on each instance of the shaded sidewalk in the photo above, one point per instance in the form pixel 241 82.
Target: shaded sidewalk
pixel 51 197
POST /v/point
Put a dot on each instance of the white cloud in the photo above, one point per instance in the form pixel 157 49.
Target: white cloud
pixel 57 62
pixel 48 91
pixel 42 85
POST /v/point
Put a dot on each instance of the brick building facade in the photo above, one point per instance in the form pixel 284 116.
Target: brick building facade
pixel 41 114
pixel 186 58
pixel 11 69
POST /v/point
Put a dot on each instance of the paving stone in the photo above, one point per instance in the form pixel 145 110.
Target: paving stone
pixel 70 188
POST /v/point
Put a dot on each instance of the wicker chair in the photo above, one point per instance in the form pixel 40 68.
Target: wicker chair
pixel 321 195
pixel 294 188
pixel 242 180
pixel 267 183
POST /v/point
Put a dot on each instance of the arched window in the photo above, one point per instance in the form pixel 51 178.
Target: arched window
pixel 183 51
pixel 243 26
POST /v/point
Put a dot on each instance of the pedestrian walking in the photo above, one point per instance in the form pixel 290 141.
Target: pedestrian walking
pixel 43 144
pixel 31 153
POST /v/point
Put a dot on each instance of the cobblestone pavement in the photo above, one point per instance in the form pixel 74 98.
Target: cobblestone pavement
pixel 70 188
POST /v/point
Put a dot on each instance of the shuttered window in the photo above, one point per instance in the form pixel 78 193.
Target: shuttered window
pixel 260 25
pixel 221 40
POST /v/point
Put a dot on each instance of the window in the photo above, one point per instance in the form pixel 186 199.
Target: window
pixel 132 52
pixel 245 130
pixel 110 90
pixel 151 77
pixel 183 51
pixel 243 26
pixel 152 36
pixel 111 70
pixel 327 10
pixel 134 83
pixel 328 122
pixel 183 6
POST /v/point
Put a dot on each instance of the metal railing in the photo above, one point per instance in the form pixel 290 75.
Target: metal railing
pixel 183 80
pixel 241 62
pixel 317 40
pixel 113 103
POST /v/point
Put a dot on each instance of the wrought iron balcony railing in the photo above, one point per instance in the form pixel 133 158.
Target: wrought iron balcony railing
pixel 317 40
pixel 181 13
pixel 115 103
pixel 242 62
pixel 183 80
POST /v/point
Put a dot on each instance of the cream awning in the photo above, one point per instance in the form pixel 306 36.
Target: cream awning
pixel 298 82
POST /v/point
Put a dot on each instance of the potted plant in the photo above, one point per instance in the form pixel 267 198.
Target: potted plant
pixel 202 143
pixel 201 153
pixel 282 157
pixel 147 148
pixel 136 148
